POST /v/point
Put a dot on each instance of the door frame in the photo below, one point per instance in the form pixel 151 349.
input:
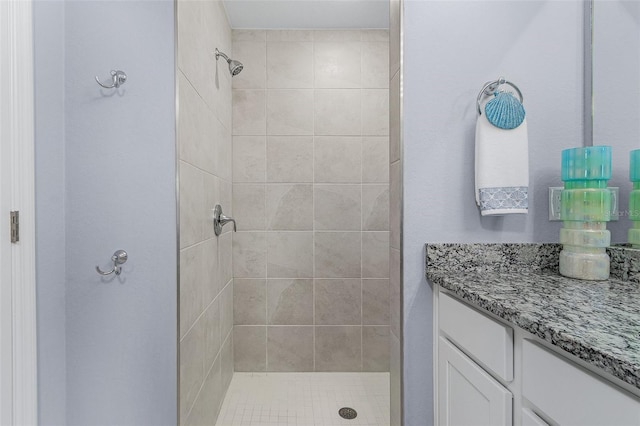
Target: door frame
pixel 18 351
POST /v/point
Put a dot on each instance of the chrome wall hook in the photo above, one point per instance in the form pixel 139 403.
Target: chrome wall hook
pixel 118 79
pixel 118 258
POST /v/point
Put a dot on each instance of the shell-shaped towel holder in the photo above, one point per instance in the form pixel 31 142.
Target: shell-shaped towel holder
pixel 504 110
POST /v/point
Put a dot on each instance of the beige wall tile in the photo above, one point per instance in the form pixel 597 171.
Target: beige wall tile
pixel 395 14
pixel 290 207
pixel 337 207
pixel 395 200
pixel 375 112
pixel 191 205
pixel 337 64
pixel 375 207
pixel 289 65
pixel 249 301
pixel 376 35
pixel 290 112
pixel 226 309
pixel 338 302
pixel 290 301
pixel 212 196
pixel 337 255
pixel 375 65
pixel 290 159
pixel 337 159
pixel 394 119
pixel 395 379
pixel 337 35
pixel 249 159
pixel 249 35
pixel 290 348
pixel 289 35
pixel 250 255
pixel 253 55
pixel 191 301
pixel 209 400
pixel 375 348
pixel 227 361
pixel 337 112
pixel 225 259
pixel 210 283
pixel 211 323
pixel 249 108
pixel 191 369
pixel 195 128
pixel 290 254
pixel 394 291
pixel 250 348
pixel 375 301
pixel 338 348
pixel 375 159
pixel 249 206
pixel 375 255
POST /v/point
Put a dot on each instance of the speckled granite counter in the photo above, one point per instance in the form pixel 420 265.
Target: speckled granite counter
pixel 598 322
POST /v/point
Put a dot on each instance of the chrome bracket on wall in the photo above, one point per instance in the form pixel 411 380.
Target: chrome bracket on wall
pixel 119 257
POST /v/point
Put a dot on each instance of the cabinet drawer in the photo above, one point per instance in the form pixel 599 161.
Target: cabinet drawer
pixel 483 338
pixel 570 395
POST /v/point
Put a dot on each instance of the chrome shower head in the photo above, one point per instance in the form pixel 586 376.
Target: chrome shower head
pixel 234 66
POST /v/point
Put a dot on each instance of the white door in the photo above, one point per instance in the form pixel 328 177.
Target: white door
pixel 18 400
pixel 468 395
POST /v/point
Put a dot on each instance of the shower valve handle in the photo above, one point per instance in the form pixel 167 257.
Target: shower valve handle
pixel 219 220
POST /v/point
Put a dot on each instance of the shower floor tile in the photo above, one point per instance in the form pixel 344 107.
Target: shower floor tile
pixel 305 399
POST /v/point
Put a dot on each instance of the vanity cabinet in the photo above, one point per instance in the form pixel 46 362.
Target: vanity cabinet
pixel 489 373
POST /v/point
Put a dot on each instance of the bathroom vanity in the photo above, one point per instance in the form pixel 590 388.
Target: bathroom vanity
pixel 518 344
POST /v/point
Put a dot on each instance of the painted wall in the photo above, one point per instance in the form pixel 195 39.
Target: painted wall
pixel 450 49
pixel 120 182
pixel 311 197
pixel 204 139
pixel 617 105
pixel 50 207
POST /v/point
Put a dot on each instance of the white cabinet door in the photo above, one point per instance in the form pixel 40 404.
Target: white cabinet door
pixel 467 395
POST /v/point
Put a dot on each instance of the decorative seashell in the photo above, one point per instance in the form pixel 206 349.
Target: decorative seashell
pixel 505 111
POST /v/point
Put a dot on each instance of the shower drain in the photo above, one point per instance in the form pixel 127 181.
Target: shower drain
pixel 348 413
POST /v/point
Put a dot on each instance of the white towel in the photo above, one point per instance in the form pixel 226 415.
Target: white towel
pixel 502 168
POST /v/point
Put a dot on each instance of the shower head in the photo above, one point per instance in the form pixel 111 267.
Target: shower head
pixel 234 66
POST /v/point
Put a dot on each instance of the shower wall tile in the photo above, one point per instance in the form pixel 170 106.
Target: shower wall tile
pixel 337 207
pixel 290 348
pixel 290 255
pixel 253 55
pixel 249 159
pixel 337 112
pixel 375 301
pixel 290 159
pixel 338 348
pixel 290 301
pixel 375 348
pixel 394 119
pixel 249 203
pixel 395 292
pixel 249 298
pixel 375 159
pixel 338 301
pixel 375 255
pixel 250 348
pixel 205 171
pixel 337 65
pixel 375 112
pixel 310 264
pixel 290 112
pixel 290 65
pixel 337 255
pixel 338 159
pixel 249 112
pixel 375 207
pixel 289 35
pixel 250 255
pixel 290 207
pixel 226 363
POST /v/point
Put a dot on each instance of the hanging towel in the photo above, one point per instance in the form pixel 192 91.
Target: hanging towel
pixel 502 168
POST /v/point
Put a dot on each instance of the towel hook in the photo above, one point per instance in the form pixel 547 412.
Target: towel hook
pixel 118 258
pixel 118 79
pixel 491 87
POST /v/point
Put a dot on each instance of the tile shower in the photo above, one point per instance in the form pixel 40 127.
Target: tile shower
pixel 311 198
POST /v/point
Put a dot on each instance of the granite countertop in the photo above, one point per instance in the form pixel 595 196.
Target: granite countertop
pixel 597 321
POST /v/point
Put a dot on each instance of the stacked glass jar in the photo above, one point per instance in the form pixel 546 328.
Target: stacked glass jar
pixel 634 199
pixel 585 211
